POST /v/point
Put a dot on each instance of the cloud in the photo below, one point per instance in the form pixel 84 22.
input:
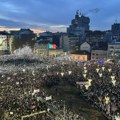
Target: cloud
pixel 55 15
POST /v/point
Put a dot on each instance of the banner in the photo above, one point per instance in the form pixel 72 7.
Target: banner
pixel 48 98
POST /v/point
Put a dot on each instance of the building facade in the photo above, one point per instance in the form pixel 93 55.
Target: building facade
pixel 6 44
pixel 70 43
pixel 114 50
pixel 85 47
pixel 98 54
pixel 77 57
pixel 115 28
pixel 79 25
pixel 65 43
pixel 80 56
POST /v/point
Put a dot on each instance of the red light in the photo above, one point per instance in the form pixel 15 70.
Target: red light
pixel 54 46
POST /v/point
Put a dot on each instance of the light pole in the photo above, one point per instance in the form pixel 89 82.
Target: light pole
pixel 62 74
pixel 100 75
pixel 113 80
pixel 109 69
pixel 69 72
pixel 103 68
pixel 85 71
pixel 97 69
pixel 84 75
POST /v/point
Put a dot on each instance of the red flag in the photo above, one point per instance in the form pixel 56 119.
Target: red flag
pixel 54 46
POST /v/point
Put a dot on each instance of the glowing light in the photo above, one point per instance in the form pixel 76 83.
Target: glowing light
pixel 85 67
pixel 107 99
pixel 114 82
pixel 84 75
pixel 62 73
pixel 100 74
pixel 85 71
pixel 112 77
pixel 86 86
pixel 69 72
pixel 97 69
pixel 103 68
pixel 109 69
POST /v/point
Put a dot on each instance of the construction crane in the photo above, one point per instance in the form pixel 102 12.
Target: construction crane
pixel 95 10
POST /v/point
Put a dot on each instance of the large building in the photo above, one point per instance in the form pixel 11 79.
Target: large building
pixel 95 36
pixel 6 44
pixel 79 25
pixel 98 54
pixel 23 37
pixel 70 43
pixel 114 50
pixel 64 43
pixel 116 32
pixel 41 48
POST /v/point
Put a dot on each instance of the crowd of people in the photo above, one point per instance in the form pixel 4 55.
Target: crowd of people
pixel 104 90
pixel 22 87
pixel 22 90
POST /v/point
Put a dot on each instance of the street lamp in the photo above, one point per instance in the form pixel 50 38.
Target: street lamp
pixel 89 81
pixel 69 72
pixel 85 67
pixel 85 71
pixel 97 69
pixel 107 99
pixel 113 80
pixel 62 73
pixel 109 69
pixel 84 75
pixel 87 86
pixel 100 74
pixel 112 77
pixel 103 68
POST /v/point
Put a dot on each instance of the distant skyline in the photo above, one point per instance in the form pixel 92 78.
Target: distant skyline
pixel 16 29
pixel 56 15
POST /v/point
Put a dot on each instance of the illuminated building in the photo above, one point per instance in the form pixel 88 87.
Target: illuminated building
pixel 98 54
pixel 6 44
pixel 80 56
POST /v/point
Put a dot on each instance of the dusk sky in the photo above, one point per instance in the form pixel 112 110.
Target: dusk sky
pixel 56 15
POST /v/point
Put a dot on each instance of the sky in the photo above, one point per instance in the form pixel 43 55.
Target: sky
pixel 56 15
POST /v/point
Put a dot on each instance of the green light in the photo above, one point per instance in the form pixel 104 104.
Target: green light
pixel 50 46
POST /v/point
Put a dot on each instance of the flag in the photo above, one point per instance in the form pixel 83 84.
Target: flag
pixel 54 46
pixel 51 46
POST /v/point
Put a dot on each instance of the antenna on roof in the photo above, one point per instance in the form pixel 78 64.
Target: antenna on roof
pixel 116 20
